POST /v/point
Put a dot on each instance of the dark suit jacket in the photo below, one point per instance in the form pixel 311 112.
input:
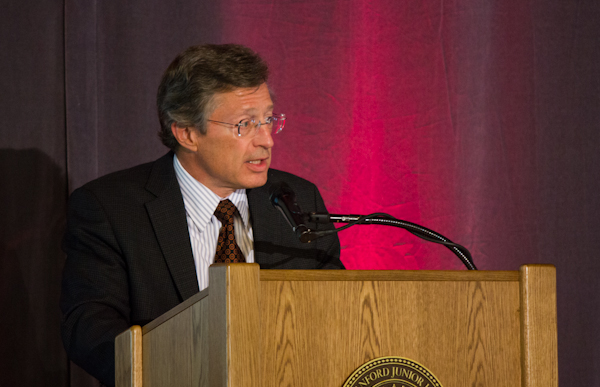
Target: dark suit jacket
pixel 129 257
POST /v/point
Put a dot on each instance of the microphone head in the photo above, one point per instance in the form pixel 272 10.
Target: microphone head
pixel 279 190
pixel 283 199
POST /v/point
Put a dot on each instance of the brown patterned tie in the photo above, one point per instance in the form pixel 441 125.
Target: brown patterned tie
pixel 228 250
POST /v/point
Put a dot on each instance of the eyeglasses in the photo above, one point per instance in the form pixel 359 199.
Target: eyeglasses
pixel 246 127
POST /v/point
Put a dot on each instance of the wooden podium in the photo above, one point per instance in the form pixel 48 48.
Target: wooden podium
pixel 263 328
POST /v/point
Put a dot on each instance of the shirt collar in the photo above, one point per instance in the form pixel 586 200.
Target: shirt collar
pixel 200 202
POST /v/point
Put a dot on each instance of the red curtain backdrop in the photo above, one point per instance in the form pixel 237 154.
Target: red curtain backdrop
pixel 423 110
pixel 477 119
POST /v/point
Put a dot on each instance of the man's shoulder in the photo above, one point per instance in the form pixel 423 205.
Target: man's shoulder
pixel 133 180
pixel 137 174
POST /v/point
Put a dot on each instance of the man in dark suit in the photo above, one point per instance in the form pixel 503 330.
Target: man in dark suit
pixel 139 241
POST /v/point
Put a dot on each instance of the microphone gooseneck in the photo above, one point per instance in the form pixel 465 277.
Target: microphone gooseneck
pixel 387 220
pixel 284 199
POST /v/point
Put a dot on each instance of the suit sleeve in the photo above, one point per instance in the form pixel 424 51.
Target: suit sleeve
pixel 94 298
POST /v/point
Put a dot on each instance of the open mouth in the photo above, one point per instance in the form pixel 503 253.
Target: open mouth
pixel 258 165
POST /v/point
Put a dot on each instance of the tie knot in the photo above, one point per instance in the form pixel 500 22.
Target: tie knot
pixel 225 211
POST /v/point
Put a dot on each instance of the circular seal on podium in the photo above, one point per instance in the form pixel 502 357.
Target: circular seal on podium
pixel 392 371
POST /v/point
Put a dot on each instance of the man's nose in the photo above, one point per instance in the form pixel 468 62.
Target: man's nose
pixel 263 137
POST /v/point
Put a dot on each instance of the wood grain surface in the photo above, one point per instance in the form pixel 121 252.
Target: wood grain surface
pixel 173 312
pixel 388 275
pixel 175 352
pixel 128 358
pixel 538 314
pixel 316 333
pixel 235 352
pixel 314 328
pixel 217 326
pixel 244 357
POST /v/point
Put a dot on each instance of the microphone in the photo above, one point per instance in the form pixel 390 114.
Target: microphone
pixel 284 199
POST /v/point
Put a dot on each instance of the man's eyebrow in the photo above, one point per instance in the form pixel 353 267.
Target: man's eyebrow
pixel 251 110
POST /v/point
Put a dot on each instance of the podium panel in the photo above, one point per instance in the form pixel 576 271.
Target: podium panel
pixel 255 327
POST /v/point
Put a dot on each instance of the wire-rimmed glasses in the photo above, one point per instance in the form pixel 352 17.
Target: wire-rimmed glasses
pixel 274 124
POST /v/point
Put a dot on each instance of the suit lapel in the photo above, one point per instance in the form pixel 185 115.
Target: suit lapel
pixel 167 214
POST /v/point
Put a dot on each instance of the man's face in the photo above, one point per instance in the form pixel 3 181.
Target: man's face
pixel 225 162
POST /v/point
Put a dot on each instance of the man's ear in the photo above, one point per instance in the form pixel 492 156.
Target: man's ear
pixel 187 136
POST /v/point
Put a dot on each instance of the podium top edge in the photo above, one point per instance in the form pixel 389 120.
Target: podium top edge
pixel 388 275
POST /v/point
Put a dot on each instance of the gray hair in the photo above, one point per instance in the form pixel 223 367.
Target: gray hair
pixel 186 91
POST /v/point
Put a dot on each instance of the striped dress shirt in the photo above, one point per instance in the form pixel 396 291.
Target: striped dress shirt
pixel 200 204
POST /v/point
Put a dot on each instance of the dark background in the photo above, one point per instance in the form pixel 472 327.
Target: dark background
pixel 478 119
